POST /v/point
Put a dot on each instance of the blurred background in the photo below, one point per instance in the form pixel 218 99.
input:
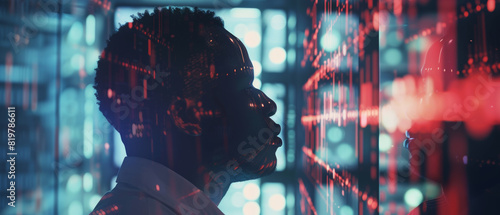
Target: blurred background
pixel 333 67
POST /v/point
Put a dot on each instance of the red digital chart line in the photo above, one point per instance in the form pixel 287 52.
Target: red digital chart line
pixel 340 180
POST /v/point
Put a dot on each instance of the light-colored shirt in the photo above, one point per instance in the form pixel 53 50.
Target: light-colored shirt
pixel 148 188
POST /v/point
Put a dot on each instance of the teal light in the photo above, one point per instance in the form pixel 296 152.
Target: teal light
pixel 345 151
pixel 75 208
pixel 88 137
pixel 92 58
pixel 393 57
pixel 93 201
pixel 237 200
pixel 75 33
pixel 251 13
pixel 413 197
pixel 420 44
pixel 393 39
pixel 74 183
pixel 335 134
pixel 330 41
pixel 90 30
pixel 88 182
pixel 346 210
pixel 77 61
pixel 278 21
pixel 89 91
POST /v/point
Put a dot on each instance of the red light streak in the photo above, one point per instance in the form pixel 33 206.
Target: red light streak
pixel 347 182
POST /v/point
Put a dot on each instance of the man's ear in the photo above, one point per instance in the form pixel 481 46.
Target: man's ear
pixel 184 115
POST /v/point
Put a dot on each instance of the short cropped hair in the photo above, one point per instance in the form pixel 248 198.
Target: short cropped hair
pixel 140 70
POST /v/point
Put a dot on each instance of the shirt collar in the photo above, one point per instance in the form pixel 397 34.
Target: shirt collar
pixel 165 185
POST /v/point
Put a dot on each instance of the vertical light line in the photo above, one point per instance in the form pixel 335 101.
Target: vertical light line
pixel 58 94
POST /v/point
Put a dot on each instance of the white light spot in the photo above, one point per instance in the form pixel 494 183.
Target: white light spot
pixel 251 191
pixel 251 208
pixel 278 22
pixel 257 83
pixel 413 197
pixel 257 68
pixel 252 39
pixel 385 142
pixel 277 202
pixel 277 55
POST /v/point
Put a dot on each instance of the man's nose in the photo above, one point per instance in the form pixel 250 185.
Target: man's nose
pixel 267 104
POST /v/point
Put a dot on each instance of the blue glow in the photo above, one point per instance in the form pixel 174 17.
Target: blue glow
pixel 93 201
pixel 77 61
pixel 250 13
pixel 331 40
pixel 345 151
pixel 75 208
pixel 75 33
pixel 393 57
pixel 90 30
pixel 74 183
pixel 92 58
pixel 413 197
pixel 346 210
pixel 118 149
pixel 335 134
pixel 88 182
pixel 88 137
pixel 278 22
pixel 393 39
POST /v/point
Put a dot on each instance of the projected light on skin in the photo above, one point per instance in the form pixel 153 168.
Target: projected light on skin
pixel 222 120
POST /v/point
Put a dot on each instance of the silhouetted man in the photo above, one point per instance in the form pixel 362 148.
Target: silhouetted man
pixel 178 88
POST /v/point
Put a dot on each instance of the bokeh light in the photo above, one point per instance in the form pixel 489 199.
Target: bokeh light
pixel 413 197
pixel 277 55
pixel 251 208
pixel 251 191
pixel 252 39
pixel 277 202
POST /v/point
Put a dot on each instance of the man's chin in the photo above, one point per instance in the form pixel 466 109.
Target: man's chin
pixel 256 170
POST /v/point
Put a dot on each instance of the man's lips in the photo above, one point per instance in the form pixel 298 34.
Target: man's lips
pixel 276 129
pixel 276 141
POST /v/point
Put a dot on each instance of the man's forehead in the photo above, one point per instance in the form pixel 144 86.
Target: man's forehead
pixel 228 50
pixel 230 57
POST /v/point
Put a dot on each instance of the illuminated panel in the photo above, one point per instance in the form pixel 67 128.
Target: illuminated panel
pixel 340 112
pixel 439 81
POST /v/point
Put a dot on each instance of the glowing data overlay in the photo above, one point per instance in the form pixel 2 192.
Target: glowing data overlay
pixel 340 108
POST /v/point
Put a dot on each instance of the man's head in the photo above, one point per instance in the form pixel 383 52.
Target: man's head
pixel 178 88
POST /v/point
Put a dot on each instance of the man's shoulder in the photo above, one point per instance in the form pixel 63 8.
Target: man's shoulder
pixel 124 200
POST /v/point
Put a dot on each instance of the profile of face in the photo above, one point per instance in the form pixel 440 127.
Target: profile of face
pixel 229 118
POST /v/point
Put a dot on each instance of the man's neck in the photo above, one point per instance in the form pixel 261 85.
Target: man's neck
pixel 214 184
